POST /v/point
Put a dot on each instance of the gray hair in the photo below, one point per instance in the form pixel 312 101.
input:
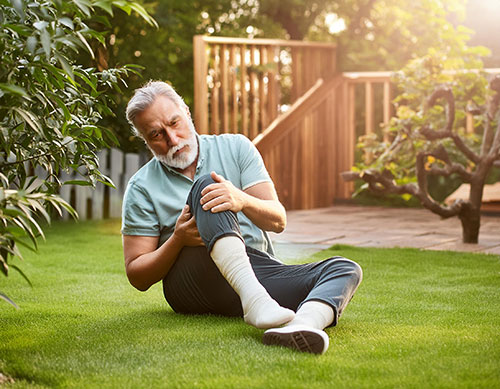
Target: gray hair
pixel 146 95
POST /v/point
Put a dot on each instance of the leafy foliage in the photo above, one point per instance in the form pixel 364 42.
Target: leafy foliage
pixel 428 136
pixel 459 68
pixel 50 110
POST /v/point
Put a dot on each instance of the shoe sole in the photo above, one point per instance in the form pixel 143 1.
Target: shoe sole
pixel 305 339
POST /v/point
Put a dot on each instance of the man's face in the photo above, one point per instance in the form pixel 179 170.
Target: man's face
pixel 169 133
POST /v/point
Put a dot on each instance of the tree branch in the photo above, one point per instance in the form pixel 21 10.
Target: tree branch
pixel 465 149
pixel 446 93
pixel 48 153
pixel 381 183
pixel 451 167
pixel 447 132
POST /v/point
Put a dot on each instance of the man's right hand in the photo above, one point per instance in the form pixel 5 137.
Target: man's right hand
pixel 186 229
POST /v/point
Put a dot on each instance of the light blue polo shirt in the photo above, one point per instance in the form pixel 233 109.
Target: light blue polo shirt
pixel 156 194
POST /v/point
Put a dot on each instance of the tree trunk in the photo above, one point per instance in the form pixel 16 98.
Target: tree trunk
pixel 471 221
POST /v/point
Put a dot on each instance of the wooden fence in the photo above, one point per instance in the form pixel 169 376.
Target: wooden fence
pixel 103 201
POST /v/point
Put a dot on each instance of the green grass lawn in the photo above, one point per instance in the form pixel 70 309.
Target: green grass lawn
pixel 419 319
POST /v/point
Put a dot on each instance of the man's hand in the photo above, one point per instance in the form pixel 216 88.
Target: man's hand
pixel 186 229
pixel 222 196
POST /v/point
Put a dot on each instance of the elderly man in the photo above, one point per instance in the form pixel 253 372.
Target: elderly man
pixel 196 216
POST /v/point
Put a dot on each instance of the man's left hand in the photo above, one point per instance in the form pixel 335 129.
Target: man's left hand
pixel 222 196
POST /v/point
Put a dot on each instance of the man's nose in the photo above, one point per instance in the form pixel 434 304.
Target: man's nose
pixel 172 138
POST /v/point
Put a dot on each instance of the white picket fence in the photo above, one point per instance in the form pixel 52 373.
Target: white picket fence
pixel 103 201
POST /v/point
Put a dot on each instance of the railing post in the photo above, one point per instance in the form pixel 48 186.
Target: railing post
pixel 234 91
pixel 243 90
pixel 224 126
pixel 387 107
pixel 200 85
pixel 369 108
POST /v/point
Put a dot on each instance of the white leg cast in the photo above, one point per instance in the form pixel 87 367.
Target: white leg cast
pixel 259 309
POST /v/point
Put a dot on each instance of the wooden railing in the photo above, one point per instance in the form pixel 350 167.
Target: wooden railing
pixel 303 148
pixel 242 85
pixel 376 110
pixel 304 117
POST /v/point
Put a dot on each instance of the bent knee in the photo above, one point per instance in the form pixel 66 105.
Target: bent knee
pixel 349 267
pixel 202 181
pixel 195 192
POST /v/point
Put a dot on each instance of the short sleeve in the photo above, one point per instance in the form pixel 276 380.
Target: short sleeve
pixel 138 214
pixel 252 168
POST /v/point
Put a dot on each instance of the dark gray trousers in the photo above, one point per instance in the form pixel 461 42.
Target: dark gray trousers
pixel 194 285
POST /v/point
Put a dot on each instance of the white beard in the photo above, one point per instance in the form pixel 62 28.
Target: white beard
pixel 184 159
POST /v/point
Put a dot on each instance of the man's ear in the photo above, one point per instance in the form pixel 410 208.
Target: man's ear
pixel 188 113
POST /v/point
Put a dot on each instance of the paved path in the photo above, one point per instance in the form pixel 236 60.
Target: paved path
pixel 309 231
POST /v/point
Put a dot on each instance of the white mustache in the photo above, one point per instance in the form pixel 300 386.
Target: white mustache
pixel 175 149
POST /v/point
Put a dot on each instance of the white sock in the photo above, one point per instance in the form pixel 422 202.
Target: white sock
pixel 314 314
pixel 259 309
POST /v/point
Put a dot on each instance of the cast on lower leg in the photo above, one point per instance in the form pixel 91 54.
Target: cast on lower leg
pixel 259 309
pixel 314 314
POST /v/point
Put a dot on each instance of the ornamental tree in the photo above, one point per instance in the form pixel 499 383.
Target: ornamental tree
pixel 427 137
pixel 50 110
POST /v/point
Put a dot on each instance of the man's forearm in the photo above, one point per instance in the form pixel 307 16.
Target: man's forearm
pixel 268 215
pixel 151 267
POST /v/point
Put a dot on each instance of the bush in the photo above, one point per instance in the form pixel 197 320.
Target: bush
pixel 50 109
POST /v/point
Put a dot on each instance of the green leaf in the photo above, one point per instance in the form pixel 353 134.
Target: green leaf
pixel 105 5
pixel 22 274
pixel 40 25
pixel 19 7
pixel 46 42
pixel 86 80
pixel 143 13
pixel 36 205
pixel 123 5
pixel 13 89
pixel 65 65
pixel 31 44
pixel 29 118
pixel 84 5
pixel 77 182
pixel 65 21
pixel 86 44
pixel 6 298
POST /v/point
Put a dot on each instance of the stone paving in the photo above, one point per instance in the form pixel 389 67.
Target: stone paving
pixel 309 231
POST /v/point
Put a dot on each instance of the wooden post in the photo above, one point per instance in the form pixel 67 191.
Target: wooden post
pixel 234 92
pixel 243 90
pixel 200 85
pixel 387 107
pixel 296 85
pixel 369 108
pixel 272 86
pixel 214 98
pixel 224 89
pixel 253 94
pixel 262 91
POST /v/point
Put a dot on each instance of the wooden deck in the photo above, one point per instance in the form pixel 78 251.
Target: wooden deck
pixel 309 231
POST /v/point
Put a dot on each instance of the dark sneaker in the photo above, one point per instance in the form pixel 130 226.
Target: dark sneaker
pixel 301 338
